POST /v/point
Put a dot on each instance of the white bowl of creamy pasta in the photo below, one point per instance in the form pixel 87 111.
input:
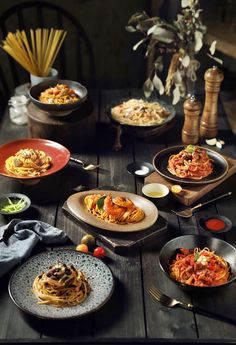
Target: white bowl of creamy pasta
pixel 199 263
pixel 58 97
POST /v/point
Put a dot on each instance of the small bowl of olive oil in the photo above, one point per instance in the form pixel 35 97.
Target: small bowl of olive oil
pixel 157 192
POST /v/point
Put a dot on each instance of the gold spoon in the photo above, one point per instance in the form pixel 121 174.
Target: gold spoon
pixel 188 212
pixel 84 166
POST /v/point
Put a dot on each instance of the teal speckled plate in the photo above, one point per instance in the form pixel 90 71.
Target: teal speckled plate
pixel 97 272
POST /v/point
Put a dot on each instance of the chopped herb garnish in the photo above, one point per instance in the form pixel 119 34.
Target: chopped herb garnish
pixel 13 205
pixel 190 148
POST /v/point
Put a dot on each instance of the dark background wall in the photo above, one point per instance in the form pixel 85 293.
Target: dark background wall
pixel 117 65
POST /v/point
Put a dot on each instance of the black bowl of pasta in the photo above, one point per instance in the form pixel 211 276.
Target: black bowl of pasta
pixel 58 97
pixel 199 263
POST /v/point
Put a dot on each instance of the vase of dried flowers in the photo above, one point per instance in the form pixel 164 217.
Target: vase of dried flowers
pixel 182 40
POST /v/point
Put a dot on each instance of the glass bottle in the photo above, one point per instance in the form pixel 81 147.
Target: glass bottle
pixel 18 109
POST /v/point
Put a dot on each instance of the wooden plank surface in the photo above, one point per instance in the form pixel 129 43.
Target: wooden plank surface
pixel 191 194
pixel 131 315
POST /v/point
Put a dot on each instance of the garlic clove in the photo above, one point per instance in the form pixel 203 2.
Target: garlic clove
pixel 211 142
pixel 219 145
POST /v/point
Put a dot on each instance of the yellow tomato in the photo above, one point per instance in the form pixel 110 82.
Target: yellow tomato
pixel 82 248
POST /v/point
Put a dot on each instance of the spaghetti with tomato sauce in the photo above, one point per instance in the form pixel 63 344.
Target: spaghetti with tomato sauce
pixel 199 267
pixel 191 162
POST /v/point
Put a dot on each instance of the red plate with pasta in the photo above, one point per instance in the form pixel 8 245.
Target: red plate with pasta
pixel 31 159
pixel 213 166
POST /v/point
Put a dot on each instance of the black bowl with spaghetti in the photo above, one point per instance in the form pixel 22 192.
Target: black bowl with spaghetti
pixel 58 109
pixel 221 248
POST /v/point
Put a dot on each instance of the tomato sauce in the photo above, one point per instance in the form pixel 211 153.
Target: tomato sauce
pixel 215 224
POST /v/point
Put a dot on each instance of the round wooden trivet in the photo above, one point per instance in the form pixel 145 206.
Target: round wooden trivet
pixel 75 131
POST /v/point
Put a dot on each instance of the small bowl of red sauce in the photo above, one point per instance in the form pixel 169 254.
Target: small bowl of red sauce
pixel 215 223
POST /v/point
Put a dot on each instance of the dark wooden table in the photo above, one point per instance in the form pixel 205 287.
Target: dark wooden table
pixel 131 315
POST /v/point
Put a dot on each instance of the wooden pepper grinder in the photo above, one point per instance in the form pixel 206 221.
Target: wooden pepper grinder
pixel 190 130
pixel 209 122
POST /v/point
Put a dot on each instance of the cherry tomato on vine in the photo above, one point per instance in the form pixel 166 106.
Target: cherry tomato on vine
pixel 82 248
pixel 99 252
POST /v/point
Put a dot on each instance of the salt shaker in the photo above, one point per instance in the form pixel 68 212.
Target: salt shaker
pixel 190 130
pixel 209 121
pixel 18 109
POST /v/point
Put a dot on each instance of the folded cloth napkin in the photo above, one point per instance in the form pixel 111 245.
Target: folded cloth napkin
pixel 18 238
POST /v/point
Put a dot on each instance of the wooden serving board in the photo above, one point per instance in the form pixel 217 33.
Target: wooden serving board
pixel 190 194
pixel 121 242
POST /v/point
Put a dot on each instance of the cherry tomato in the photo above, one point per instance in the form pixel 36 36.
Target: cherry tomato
pixel 99 252
pixel 89 240
pixel 82 248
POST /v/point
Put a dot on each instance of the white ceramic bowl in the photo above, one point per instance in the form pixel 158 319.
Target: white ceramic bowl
pixel 157 192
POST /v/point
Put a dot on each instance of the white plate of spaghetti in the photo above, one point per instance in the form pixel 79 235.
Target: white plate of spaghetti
pixel 193 165
pixel 113 210
pixel 27 284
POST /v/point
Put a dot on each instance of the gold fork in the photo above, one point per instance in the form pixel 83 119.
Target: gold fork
pixel 170 302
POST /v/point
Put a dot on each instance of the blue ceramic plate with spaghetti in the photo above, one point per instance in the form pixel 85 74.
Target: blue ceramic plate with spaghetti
pixel 98 274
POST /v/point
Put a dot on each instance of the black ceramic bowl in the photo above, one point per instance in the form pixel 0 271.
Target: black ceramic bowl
pixel 58 109
pixel 14 204
pixel 220 247
pixel 209 223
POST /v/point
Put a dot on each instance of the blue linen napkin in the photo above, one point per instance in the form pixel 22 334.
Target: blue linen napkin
pixel 18 238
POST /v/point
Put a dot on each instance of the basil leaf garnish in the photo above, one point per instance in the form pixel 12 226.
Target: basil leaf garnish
pixel 100 202
pixel 196 256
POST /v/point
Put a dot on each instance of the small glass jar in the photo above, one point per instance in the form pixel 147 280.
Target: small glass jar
pixel 18 109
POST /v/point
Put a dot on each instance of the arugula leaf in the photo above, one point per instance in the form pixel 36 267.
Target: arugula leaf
pixel 100 202
pixel 196 256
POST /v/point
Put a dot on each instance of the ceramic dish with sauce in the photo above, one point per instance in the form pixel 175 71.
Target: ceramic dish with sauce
pixel 215 223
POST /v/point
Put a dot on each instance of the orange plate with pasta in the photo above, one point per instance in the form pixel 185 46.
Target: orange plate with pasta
pixel 77 206
pixel 59 154
pixel 220 166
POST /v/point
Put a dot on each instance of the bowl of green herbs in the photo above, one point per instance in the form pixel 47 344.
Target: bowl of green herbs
pixel 14 203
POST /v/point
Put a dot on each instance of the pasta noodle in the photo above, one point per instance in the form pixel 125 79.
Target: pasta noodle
pixel 140 113
pixel 118 210
pixel 191 162
pixel 60 94
pixel 61 286
pixel 38 57
pixel 28 162
pixel 199 267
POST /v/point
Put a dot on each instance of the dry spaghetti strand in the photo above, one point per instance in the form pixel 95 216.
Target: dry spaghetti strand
pixel 37 53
